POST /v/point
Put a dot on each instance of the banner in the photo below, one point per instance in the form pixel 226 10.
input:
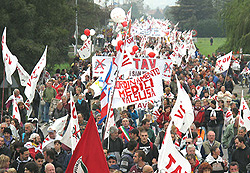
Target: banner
pixel 9 59
pixel 85 50
pixel 222 63
pixel 34 77
pixel 140 89
pixel 100 65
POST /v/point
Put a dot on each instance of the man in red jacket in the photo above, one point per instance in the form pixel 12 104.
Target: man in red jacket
pixel 199 112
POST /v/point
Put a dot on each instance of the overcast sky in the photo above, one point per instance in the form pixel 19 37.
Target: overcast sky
pixel 159 3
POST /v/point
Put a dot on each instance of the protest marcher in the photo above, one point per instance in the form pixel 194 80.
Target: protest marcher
pixel 20 162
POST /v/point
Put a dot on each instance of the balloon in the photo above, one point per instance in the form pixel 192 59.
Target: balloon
pixel 114 42
pixel 83 37
pixel 87 32
pixel 118 15
pixel 119 43
pixel 92 32
pixel 124 24
pixel 132 53
pixel 151 54
pixel 135 48
pixel 117 48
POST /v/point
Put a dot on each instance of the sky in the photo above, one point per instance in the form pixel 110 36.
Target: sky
pixel 159 3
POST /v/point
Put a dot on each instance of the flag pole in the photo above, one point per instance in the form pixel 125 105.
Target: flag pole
pixel 112 93
pixel 3 92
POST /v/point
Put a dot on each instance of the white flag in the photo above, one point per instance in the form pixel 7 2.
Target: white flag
pixel 223 63
pixel 111 122
pixel 244 114
pixel 85 50
pixel 34 77
pixel 170 159
pixel 10 60
pixel 59 124
pixel 29 107
pixel 72 134
pixel 23 75
pixel 15 112
pixel 182 113
pixel 128 16
pixel 87 72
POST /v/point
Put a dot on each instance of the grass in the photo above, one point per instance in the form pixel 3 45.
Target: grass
pixel 204 45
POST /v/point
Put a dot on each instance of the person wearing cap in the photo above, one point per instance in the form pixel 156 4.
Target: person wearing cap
pixel 9 140
pixel 111 160
pixel 34 145
pixel 48 142
pixel 214 119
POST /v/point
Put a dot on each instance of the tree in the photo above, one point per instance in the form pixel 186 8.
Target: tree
pixel 237 21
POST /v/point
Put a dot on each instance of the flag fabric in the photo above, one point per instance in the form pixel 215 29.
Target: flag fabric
pixel 34 77
pixel 72 134
pixel 15 111
pixel 182 113
pixel 59 124
pixel 85 50
pixel 88 155
pixel 97 86
pixel 87 72
pixel 223 63
pixel 244 114
pixel 110 122
pixel 28 107
pixel 170 159
pixel 23 75
pixel 105 93
pixel 10 60
pixel 128 16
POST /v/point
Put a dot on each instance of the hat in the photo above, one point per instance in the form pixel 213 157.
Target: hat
pixel 33 136
pixel 7 130
pixel 111 156
pixel 51 129
pixel 213 102
pixel 134 131
pixel 114 167
pixel 34 120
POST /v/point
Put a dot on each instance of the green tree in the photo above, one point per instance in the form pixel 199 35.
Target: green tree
pixel 237 21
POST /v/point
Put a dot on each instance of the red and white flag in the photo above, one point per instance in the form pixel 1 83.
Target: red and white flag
pixel 28 107
pixel 223 63
pixel 23 75
pixel 72 134
pixel 85 50
pixel 244 114
pixel 15 112
pixel 88 155
pixel 228 117
pixel 34 77
pixel 170 159
pixel 10 60
pixel 182 113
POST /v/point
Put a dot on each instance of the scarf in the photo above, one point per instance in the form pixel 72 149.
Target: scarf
pixel 80 101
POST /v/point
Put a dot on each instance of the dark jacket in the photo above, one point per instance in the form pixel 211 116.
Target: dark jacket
pixel 213 123
pixel 242 156
pixel 151 152
pixel 60 157
pixel 19 165
pixel 83 108
pixel 127 161
pixel 59 113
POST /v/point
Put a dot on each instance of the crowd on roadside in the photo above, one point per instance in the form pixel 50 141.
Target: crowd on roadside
pixel 134 143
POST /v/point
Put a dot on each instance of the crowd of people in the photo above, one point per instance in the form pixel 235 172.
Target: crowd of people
pixel 133 144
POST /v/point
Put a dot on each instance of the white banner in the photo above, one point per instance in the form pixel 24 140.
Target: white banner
pixel 100 65
pixel 23 75
pixel 140 89
pixel 85 50
pixel 34 77
pixel 9 59
pixel 182 113
pixel 222 63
